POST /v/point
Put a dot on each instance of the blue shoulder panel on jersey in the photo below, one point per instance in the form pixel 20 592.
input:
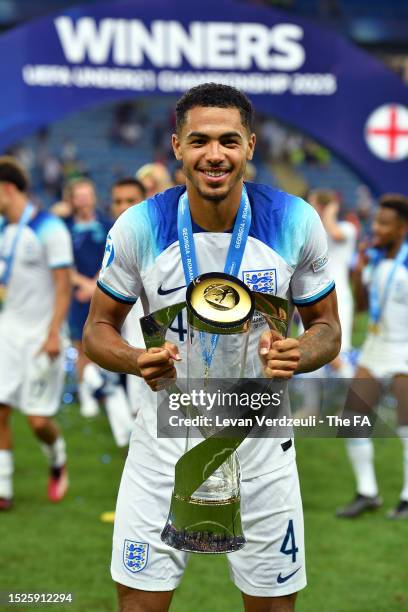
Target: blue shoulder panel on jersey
pixel 279 220
pixel 162 210
pixel 154 224
pixel 45 223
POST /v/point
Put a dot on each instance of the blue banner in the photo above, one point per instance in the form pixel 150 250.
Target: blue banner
pixel 291 68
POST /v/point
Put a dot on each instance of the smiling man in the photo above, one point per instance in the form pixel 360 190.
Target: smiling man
pixel 381 282
pixel 282 248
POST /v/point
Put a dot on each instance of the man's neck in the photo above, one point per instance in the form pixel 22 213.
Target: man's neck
pixel 215 216
pixel 393 249
pixel 16 209
pixel 84 216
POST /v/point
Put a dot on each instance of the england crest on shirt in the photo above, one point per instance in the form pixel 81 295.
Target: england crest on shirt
pixel 263 281
pixel 135 555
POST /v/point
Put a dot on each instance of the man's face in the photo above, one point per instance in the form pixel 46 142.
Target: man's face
pixel 83 198
pixel 7 195
pixel 214 147
pixel 4 200
pixel 388 228
pixel 123 197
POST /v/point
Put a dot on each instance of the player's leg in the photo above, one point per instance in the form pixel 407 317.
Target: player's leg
pixel 54 448
pixel 118 410
pixel 78 313
pixel 11 376
pixel 269 604
pixel 145 569
pixel 86 369
pixel 6 459
pixel 400 390
pixel 41 399
pixel 133 600
pixel 363 395
pixel 270 569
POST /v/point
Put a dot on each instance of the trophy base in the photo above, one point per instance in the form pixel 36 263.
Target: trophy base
pixel 201 541
pixel 204 527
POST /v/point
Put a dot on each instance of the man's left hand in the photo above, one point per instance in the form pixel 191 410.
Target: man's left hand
pixel 52 346
pixel 280 356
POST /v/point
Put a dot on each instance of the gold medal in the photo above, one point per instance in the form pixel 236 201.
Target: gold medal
pixel 3 294
pixel 373 328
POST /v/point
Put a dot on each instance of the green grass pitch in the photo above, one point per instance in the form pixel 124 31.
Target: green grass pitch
pixel 359 566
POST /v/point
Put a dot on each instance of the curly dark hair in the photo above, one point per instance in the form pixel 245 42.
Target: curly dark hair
pixel 397 202
pixel 217 95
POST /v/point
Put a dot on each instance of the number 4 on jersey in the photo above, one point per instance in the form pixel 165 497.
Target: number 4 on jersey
pixel 289 545
pixel 181 327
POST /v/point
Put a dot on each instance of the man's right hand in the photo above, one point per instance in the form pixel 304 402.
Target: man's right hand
pixel 156 365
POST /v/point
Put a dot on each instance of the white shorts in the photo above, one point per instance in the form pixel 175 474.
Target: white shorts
pixel 271 564
pixel 28 381
pixel 383 359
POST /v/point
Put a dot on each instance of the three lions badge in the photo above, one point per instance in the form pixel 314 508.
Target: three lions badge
pixel 135 555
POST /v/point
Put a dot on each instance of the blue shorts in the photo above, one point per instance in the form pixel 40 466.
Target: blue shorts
pixel 78 314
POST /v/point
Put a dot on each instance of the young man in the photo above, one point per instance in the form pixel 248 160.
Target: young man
pixel 35 291
pixel 125 193
pixel 381 278
pixel 88 230
pixel 286 244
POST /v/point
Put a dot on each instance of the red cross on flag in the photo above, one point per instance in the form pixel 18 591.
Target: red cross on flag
pixel 386 132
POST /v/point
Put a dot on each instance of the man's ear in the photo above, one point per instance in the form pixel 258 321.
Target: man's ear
pixel 251 147
pixel 175 143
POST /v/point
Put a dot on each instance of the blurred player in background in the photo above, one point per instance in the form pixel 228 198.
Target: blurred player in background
pixel 381 281
pixel 89 230
pixel 119 405
pixel 35 291
pixel 342 238
pixel 125 193
pixel 341 242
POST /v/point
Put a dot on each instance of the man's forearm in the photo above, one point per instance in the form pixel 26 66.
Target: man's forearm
pixel 319 345
pixel 62 301
pixel 106 347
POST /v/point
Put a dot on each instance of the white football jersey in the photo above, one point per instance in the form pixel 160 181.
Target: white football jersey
pixel 44 244
pixel 393 326
pixel 285 255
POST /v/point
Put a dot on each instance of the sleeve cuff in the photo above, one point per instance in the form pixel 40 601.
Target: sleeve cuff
pixel 118 297
pixel 57 266
pixel 313 299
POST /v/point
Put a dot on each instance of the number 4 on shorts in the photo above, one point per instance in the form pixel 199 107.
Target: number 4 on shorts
pixel 289 545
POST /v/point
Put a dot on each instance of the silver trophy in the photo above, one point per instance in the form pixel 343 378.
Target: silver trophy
pixel 205 513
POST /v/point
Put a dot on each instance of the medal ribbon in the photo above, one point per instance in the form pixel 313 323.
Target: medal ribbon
pixel 9 257
pixel 377 304
pixel 235 250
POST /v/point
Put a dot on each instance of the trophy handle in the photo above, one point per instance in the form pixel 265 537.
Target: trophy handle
pixel 275 311
pixel 155 325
